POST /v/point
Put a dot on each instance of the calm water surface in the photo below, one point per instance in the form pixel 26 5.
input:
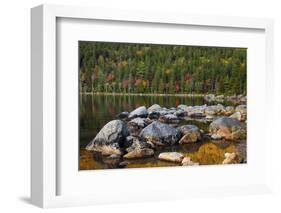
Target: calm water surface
pixel 97 110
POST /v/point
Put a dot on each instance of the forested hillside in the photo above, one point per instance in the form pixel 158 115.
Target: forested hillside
pixel 147 68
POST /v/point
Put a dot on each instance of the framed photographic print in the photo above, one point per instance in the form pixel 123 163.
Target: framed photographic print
pixel 131 102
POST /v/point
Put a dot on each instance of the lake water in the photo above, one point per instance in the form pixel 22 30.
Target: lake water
pixel 97 110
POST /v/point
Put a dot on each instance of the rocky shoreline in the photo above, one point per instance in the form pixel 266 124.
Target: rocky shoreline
pixel 137 134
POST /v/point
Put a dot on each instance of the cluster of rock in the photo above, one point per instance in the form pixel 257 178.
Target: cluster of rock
pixel 237 99
pixel 138 133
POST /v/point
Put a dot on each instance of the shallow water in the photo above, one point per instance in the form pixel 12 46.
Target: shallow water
pixel 97 110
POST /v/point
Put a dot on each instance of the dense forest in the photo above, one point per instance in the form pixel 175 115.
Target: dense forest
pixel 150 68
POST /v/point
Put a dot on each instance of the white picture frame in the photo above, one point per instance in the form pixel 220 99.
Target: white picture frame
pixel 44 153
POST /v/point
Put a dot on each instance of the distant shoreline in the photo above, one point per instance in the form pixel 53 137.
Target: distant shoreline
pixel 141 94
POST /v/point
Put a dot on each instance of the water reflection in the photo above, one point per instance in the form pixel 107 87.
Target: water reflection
pixel 204 153
pixel 97 110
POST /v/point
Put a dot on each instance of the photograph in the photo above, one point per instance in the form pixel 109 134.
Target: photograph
pixel 161 105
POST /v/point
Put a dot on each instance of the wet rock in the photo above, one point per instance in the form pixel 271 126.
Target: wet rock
pixel 113 156
pixel 185 108
pixel 227 128
pixel 123 164
pixel 219 98
pixel 243 110
pixel 188 162
pixel 216 137
pixel 160 134
pixel 180 113
pixel 129 141
pixel 153 115
pixel 182 107
pixel 210 117
pixel 148 121
pixel 229 110
pixel 196 115
pixel 197 111
pixel 163 112
pixel 154 108
pixel 110 138
pixel 139 153
pixel 137 144
pixel 236 115
pixel 169 118
pixel 191 134
pixel 171 156
pixel 123 115
pixel 171 111
pixel 138 149
pixel 214 110
pixel 135 126
pixel 138 121
pixel 243 99
pixel 139 112
pixel 230 158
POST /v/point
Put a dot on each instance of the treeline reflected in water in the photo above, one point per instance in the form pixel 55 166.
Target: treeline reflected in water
pixel 97 110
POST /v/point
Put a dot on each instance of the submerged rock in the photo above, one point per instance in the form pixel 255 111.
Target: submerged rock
pixel 138 149
pixel 160 134
pixel 171 156
pixel 227 128
pixel 110 138
pixel 139 153
pixel 139 112
pixel 188 162
pixel 230 158
pixel 191 134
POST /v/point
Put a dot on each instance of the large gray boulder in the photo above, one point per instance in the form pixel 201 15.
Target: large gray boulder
pixel 110 138
pixel 139 112
pixel 227 128
pixel 160 134
pixel 191 134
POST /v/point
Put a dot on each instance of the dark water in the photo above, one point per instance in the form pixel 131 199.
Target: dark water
pixel 97 110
